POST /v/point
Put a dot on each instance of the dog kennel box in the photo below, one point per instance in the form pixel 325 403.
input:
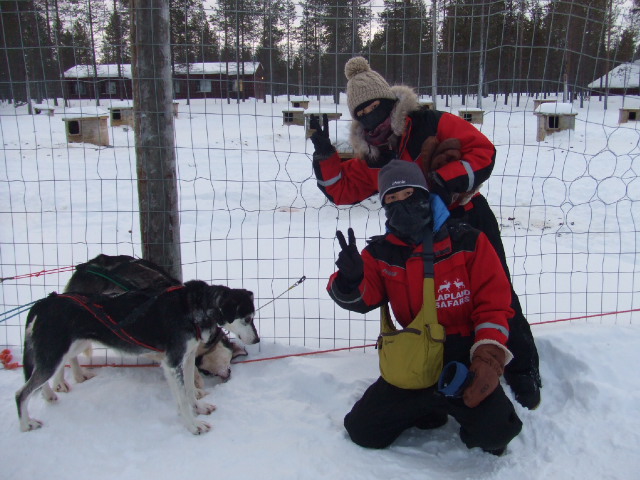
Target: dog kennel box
pixel 629 114
pixel 425 104
pixel 44 108
pixel 300 102
pixel 87 125
pixel 541 101
pixel 554 117
pixel 293 116
pixel 121 115
pixel 472 115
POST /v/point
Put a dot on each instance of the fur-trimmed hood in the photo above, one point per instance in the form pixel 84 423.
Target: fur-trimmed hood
pixel 407 103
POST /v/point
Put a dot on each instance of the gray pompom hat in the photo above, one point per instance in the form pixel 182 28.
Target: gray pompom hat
pixel 364 84
pixel 400 174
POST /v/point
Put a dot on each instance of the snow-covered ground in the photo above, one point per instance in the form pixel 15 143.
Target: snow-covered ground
pixel 252 216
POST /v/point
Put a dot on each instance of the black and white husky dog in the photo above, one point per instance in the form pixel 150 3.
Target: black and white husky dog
pixel 116 274
pixel 170 322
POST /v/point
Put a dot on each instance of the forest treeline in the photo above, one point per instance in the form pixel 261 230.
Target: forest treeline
pixel 509 45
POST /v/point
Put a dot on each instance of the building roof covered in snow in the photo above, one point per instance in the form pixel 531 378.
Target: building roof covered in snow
pixel 556 109
pixel 626 75
pixel 199 68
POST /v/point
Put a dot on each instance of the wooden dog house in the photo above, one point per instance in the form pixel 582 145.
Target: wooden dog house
pixel 300 102
pixel 44 108
pixel 121 115
pixel 293 116
pixel 554 117
pixel 87 125
pixel 472 115
pixel 629 114
pixel 541 101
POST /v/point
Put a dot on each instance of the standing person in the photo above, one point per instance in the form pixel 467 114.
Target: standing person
pixel 422 241
pixel 456 159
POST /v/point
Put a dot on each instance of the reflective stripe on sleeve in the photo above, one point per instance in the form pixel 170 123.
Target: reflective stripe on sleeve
pixel 331 181
pixel 470 174
pixel 495 326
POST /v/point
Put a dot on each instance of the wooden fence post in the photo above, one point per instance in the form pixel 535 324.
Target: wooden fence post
pixel 154 134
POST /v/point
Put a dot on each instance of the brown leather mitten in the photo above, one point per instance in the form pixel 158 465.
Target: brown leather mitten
pixel 487 366
pixel 447 151
pixel 426 154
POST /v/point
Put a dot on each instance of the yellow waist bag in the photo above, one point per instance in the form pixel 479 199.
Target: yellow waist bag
pixel 412 358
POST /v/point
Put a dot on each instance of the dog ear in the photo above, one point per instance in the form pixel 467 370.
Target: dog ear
pixel 223 303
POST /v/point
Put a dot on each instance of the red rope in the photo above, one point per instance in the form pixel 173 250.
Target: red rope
pixel 587 316
pixel 6 352
pixel 279 357
pixel 41 272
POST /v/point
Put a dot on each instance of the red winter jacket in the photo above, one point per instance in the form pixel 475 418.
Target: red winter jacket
pixel 352 181
pixel 473 295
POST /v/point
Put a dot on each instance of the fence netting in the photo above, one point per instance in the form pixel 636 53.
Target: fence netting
pixel 246 76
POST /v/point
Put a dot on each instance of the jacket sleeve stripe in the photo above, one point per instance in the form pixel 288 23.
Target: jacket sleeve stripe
pixel 341 298
pixel 470 173
pixel 495 326
pixel 331 181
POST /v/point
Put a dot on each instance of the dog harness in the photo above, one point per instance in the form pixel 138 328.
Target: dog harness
pixel 104 318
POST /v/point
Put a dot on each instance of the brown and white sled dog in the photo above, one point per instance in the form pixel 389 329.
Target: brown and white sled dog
pixel 116 274
pixel 170 322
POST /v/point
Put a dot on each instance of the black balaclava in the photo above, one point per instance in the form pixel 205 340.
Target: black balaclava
pixel 408 218
pixel 374 118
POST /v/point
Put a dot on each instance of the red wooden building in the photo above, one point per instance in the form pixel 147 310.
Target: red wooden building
pixel 194 80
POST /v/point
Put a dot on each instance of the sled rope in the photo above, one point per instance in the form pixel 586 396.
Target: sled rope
pixel 40 273
pixel 302 279
pixel 318 352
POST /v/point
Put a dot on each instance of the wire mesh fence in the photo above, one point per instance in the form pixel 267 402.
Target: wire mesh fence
pixel 246 75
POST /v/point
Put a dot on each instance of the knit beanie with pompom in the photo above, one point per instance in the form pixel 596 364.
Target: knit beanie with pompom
pixel 363 84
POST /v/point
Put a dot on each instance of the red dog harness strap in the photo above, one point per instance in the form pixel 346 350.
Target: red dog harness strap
pixel 97 311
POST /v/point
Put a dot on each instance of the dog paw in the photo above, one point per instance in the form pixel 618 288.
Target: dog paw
pixel 200 427
pixel 203 408
pixel 31 424
pixel 49 394
pixel 62 386
pixel 200 393
pixel 84 376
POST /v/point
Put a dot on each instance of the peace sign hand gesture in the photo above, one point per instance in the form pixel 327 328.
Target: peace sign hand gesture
pixel 349 263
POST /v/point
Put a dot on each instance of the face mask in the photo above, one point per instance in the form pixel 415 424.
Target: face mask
pixel 381 134
pixel 408 218
pixel 374 118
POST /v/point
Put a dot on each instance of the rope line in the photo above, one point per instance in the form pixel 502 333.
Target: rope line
pixel 40 273
pixel 318 352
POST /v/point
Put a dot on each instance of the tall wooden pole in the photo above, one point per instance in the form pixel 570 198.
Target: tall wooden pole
pixel 154 134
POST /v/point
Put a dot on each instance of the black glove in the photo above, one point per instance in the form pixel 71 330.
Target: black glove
pixel 320 138
pixel 349 263
pixel 437 186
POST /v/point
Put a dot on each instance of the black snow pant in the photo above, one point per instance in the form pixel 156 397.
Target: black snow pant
pixel 385 411
pixel 521 343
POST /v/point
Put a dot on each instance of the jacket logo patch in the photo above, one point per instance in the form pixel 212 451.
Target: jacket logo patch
pixel 452 294
pixel 389 272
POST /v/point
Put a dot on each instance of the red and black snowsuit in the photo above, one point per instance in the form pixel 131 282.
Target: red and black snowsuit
pixel 472 299
pixel 472 291
pixel 352 181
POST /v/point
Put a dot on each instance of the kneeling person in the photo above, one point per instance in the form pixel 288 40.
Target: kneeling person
pixel 473 299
